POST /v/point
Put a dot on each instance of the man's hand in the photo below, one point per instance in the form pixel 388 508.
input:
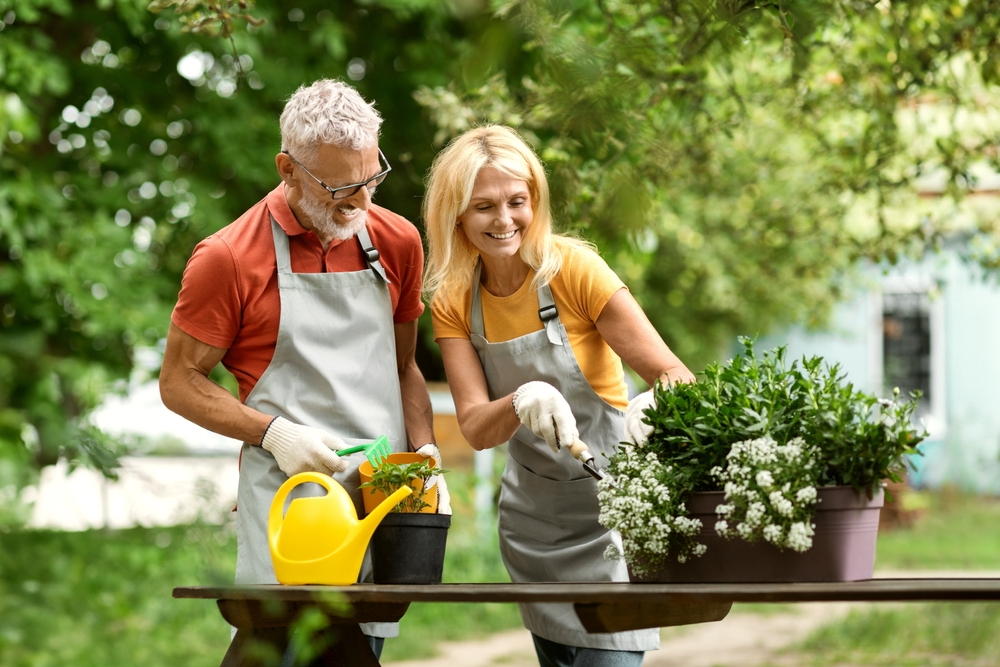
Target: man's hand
pixel 299 448
pixel 636 430
pixel 543 409
pixel 444 498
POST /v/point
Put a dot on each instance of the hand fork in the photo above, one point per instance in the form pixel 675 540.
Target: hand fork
pixel 375 452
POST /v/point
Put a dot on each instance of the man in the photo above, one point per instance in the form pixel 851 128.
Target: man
pixel 311 300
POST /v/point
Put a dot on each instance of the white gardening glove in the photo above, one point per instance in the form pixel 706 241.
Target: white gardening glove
pixel 636 430
pixel 444 498
pixel 546 413
pixel 299 448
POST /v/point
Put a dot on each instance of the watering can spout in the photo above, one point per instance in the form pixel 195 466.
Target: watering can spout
pixel 366 527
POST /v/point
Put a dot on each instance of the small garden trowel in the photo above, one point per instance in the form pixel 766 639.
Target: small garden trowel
pixel 581 452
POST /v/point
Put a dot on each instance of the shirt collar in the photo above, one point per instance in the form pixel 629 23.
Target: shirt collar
pixel 277 206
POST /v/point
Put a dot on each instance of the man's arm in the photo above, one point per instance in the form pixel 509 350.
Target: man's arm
pixel 418 417
pixel 186 390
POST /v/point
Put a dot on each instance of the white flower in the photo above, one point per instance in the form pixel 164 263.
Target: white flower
pixel 781 505
pixel 806 494
pixel 723 510
pixel 800 536
pixel 764 478
pixel 772 533
pixel 721 527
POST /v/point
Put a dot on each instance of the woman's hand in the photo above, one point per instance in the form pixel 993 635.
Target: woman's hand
pixel 546 413
pixel 638 431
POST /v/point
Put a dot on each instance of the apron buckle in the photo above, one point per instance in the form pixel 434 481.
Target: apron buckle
pixel 548 312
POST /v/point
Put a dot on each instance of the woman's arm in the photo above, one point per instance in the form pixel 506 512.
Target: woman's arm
pixel 630 334
pixel 484 423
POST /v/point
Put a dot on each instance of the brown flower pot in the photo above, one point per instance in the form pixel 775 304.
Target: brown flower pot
pixel 843 547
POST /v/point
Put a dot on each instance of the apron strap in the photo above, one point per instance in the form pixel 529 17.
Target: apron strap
pixel 476 309
pixel 280 247
pixel 371 253
pixel 547 311
pixel 549 314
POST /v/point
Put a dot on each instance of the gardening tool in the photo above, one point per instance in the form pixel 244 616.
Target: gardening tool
pixel 320 540
pixel 375 452
pixel 581 452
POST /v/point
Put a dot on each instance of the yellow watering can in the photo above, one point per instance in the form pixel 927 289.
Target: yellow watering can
pixel 320 540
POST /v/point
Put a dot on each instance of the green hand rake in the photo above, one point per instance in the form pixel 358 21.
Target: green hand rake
pixel 375 452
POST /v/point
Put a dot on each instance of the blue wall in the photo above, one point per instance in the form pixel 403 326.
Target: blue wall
pixel 964 443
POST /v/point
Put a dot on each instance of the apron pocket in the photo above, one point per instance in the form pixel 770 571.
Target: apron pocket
pixel 546 510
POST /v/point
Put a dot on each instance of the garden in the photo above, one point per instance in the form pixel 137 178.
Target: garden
pixel 103 597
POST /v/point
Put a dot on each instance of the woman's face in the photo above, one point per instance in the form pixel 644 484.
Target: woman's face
pixel 498 215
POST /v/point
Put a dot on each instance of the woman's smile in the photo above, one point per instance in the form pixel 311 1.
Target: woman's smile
pixel 499 210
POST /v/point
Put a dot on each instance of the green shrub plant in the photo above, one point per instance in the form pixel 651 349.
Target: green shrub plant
pixel 388 477
pixel 766 432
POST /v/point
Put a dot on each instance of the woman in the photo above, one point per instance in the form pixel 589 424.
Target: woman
pixel 532 328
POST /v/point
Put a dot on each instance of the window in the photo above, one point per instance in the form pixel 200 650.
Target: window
pixel 906 346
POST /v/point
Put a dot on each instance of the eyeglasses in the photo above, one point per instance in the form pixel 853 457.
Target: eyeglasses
pixel 345 191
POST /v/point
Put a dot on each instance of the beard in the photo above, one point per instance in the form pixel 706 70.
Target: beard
pixel 323 223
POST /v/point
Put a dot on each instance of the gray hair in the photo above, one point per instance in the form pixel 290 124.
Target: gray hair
pixel 328 112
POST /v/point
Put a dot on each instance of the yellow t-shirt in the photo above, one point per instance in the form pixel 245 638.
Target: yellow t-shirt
pixel 581 289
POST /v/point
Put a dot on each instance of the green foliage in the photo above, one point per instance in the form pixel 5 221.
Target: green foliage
pixel 104 598
pixel 861 439
pixel 113 165
pixel 388 477
pixel 734 161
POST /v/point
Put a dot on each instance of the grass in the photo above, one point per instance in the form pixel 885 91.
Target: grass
pixel 98 598
pixel 103 597
pixel 958 532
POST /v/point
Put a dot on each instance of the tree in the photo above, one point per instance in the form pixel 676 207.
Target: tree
pixel 126 139
pixel 735 160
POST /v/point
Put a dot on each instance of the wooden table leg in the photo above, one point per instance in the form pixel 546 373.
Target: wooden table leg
pixel 256 646
pixel 348 647
pixel 263 628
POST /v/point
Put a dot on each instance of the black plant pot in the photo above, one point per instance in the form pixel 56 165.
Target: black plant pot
pixel 409 548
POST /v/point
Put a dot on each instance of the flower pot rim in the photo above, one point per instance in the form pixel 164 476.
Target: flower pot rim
pixel 831 498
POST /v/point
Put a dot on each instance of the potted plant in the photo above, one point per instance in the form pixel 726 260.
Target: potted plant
pixel 408 545
pixel 758 471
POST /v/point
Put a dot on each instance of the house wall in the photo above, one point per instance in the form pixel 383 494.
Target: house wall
pixel 963 445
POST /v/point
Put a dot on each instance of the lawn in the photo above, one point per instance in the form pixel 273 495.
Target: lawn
pixel 103 597
pixel 98 598
pixel 958 532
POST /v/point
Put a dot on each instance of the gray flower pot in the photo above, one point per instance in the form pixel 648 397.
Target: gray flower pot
pixel 843 547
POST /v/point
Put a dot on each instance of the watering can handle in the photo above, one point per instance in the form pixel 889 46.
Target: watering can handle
pixel 276 516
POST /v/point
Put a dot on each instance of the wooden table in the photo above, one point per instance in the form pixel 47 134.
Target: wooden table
pixel 263 614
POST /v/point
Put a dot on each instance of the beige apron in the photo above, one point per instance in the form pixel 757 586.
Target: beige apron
pixel 548 503
pixel 334 368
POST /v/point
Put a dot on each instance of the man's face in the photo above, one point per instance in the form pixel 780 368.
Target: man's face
pixel 335 166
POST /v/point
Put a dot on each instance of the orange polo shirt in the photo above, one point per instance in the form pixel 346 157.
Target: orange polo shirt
pixel 229 292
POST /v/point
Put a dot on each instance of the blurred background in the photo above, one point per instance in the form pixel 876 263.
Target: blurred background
pixel 823 175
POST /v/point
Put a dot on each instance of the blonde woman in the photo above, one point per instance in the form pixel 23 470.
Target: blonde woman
pixel 532 328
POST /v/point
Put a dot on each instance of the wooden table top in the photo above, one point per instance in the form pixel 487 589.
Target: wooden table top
pixel 874 590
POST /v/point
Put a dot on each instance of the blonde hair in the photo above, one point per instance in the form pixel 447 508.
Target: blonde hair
pixel 328 112
pixel 451 257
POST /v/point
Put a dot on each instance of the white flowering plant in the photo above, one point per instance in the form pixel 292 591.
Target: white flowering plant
pixel 648 510
pixel 770 492
pixel 762 430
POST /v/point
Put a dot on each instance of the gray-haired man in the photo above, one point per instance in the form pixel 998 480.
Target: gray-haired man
pixel 311 300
